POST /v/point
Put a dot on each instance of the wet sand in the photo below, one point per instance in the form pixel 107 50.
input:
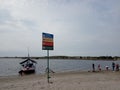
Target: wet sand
pixel 104 80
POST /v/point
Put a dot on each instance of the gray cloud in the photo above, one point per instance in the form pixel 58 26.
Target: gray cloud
pixel 81 27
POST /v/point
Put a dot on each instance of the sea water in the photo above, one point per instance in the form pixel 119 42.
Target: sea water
pixel 10 67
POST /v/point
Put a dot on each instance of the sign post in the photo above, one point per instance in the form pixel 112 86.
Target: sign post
pixel 47 44
pixel 48 76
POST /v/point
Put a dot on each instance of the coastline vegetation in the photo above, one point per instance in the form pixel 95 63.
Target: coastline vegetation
pixel 73 57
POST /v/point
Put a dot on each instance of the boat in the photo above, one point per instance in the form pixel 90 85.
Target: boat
pixel 28 66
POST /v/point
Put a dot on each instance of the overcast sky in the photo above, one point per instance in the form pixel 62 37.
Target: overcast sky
pixel 80 27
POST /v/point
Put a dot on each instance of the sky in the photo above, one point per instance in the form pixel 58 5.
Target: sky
pixel 80 27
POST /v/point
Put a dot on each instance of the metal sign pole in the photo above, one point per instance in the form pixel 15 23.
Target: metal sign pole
pixel 48 66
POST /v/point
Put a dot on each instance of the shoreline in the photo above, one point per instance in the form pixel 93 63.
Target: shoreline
pixel 64 72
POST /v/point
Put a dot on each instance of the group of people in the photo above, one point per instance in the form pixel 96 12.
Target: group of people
pixel 115 67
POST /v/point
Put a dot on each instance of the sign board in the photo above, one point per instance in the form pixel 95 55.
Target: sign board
pixel 47 41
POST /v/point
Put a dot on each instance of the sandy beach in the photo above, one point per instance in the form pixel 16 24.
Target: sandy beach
pixel 104 80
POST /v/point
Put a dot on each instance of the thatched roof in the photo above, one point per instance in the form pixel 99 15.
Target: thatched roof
pixel 27 60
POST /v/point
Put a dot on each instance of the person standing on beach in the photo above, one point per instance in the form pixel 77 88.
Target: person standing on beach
pixel 117 67
pixel 93 67
pixel 99 68
pixel 113 66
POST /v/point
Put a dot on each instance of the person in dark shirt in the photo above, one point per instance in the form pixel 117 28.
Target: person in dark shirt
pixel 113 66
pixel 93 67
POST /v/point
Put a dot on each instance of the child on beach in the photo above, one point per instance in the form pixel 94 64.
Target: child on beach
pixel 107 68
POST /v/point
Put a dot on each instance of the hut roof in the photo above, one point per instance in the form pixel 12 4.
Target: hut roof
pixel 27 60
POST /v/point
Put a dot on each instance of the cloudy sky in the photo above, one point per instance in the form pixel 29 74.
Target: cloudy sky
pixel 80 27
